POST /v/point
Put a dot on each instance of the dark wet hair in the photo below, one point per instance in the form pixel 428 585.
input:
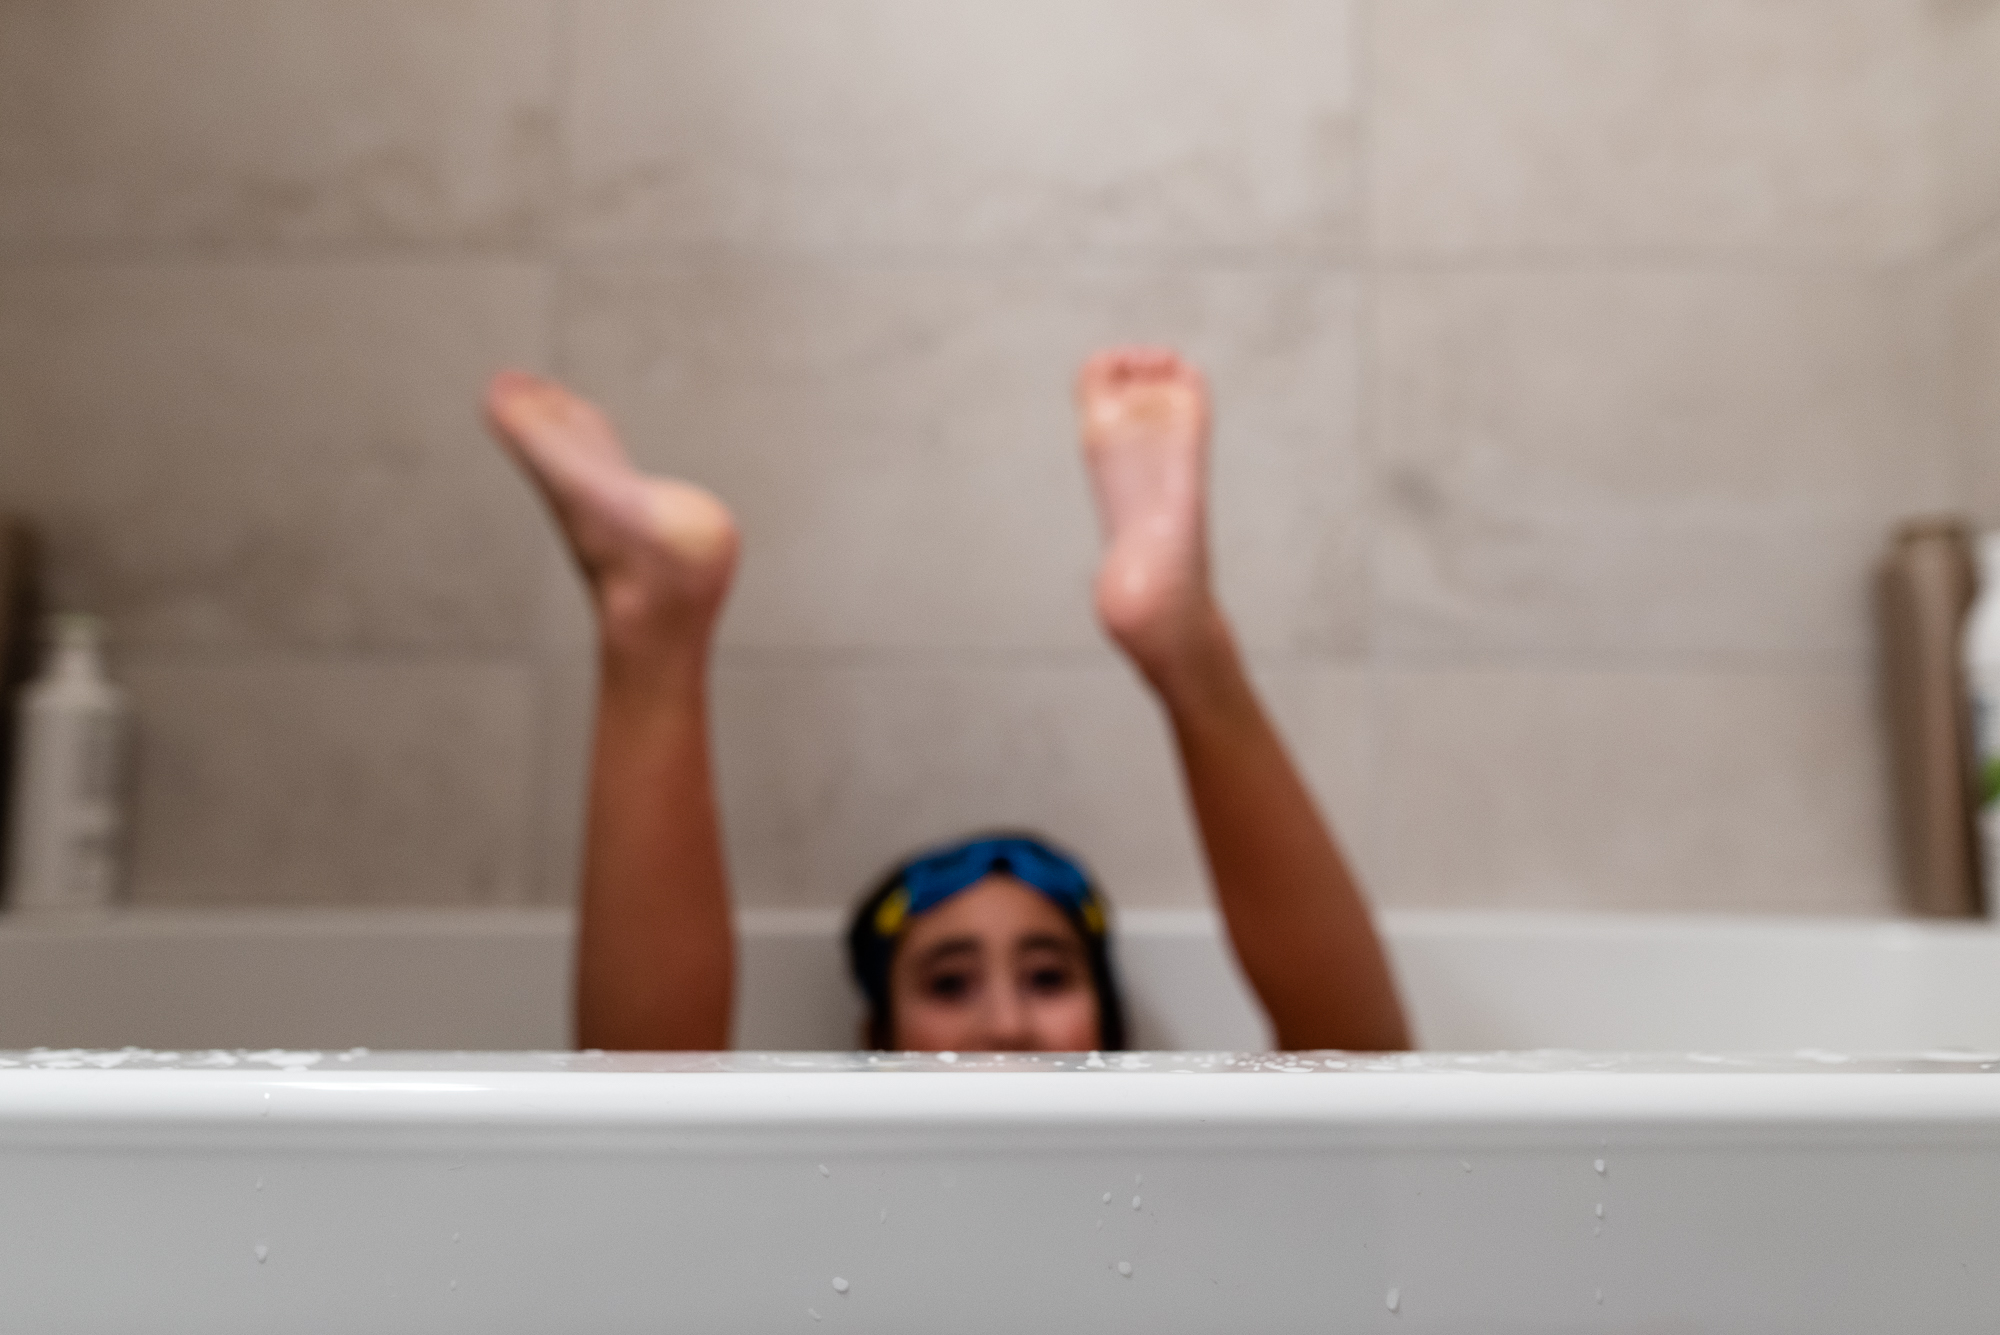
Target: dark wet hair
pixel 878 924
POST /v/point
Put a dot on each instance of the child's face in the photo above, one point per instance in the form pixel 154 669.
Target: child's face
pixel 995 968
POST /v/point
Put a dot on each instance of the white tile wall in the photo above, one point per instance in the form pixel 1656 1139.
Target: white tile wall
pixel 1648 790
pixel 831 771
pixel 909 125
pixel 1784 128
pixel 1649 465
pixel 1969 37
pixel 230 457
pixel 1976 349
pixel 900 447
pixel 294 779
pixel 241 123
pixel 1573 358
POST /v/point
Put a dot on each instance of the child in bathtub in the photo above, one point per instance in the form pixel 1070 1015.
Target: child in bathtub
pixel 996 943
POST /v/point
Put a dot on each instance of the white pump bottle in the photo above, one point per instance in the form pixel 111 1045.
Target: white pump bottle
pixel 1982 680
pixel 66 840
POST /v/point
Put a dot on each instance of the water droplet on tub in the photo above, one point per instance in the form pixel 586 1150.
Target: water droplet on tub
pixel 1465 1165
pixel 885 1216
pixel 1600 1297
pixel 811 1313
pixel 1138 1179
pixel 1125 1269
pixel 454 1237
pixel 1394 1300
pixel 824 1171
pixel 261 1252
pixel 1597 1230
pixel 260 1184
pixel 1599 1166
pixel 1135 1202
pixel 1600 1209
pixel 947 1057
pixel 1107 1198
pixel 454 1285
pixel 839 1284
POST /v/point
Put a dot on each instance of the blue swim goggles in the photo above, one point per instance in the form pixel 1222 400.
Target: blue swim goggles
pixel 928 881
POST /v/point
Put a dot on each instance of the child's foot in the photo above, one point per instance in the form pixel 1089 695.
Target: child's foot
pixel 1145 440
pixel 656 553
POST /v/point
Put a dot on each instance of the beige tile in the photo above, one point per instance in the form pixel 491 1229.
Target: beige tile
pixel 256 456
pixel 1797 127
pixel 1327 717
pixel 1640 791
pixel 331 781
pixel 1636 465
pixel 1969 35
pixel 928 125
pixel 831 774
pixel 245 123
pixel 1975 330
pixel 565 698
pixel 899 447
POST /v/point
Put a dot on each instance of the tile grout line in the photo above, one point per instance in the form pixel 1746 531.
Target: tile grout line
pixel 1579 262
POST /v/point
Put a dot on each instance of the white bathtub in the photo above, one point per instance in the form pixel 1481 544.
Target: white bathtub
pixel 520 1194
pixel 354 1192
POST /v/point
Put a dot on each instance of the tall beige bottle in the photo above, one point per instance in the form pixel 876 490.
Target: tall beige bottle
pixel 66 839
pixel 1982 674
pixel 1927 587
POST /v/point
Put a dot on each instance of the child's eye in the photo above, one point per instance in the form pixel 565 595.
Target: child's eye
pixel 949 986
pixel 1050 980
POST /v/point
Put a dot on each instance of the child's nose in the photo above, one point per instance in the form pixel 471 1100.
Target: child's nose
pixel 1008 1024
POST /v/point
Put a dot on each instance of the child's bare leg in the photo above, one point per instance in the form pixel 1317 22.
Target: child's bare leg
pixel 1298 922
pixel 655 951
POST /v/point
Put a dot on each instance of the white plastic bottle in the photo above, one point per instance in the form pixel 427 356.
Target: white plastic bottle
pixel 1982 679
pixel 66 839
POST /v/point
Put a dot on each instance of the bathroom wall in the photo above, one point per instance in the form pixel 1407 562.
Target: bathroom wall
pixel 1574 357
pixel 1971 259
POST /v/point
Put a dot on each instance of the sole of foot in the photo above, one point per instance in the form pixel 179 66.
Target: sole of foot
pixel 1145 423
pixel 657 553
